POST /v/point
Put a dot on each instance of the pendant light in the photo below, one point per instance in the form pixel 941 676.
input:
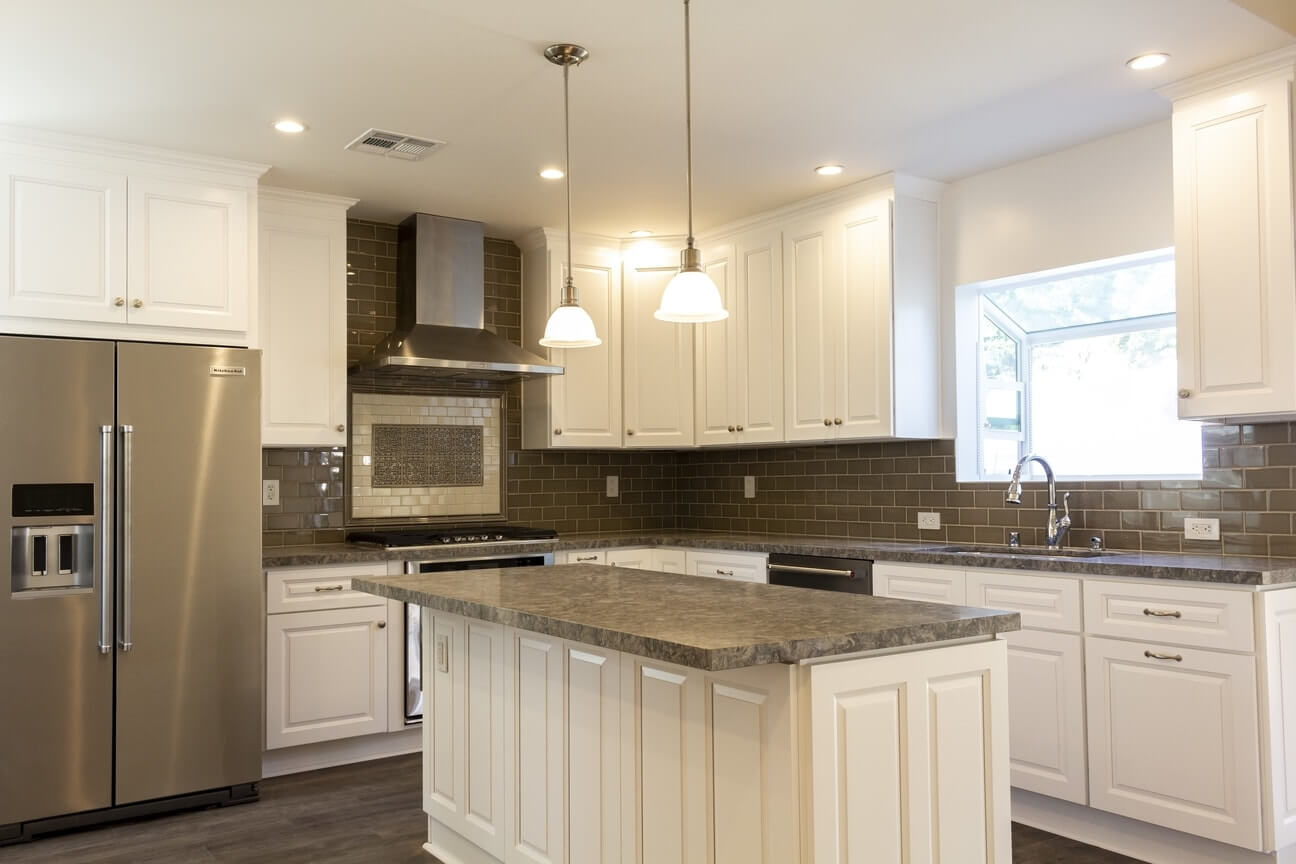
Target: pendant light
pixel 569 326
pixel 690 297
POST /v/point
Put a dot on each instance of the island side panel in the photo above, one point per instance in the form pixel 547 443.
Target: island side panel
pixel 908 757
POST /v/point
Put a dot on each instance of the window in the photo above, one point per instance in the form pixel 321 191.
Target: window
pixel 1077 365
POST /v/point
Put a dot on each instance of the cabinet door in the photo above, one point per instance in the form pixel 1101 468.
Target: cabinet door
pixel 658 360
pixel 1046 711
pixel 533 740
pixel 861 321
pixel 585 401
pixel 483 739
pixel 302 295
pixel 188 258
pixel 638 559
pixel 1234 251
pixel 716 411
pixel 669 560
pixel 326 675
pixel 62 242
pixel 914 582
pixel 593 750
pixel 1173 739
pixel 756 381
pixel 811 269
pixel 443 717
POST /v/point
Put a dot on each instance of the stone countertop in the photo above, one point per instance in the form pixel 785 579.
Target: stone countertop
pixel 1221 569
pixel 709 624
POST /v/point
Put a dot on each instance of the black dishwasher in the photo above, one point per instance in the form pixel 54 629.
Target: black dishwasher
pixel 827 574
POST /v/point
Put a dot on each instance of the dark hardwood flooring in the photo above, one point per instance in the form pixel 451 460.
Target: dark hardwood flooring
pixel 357 814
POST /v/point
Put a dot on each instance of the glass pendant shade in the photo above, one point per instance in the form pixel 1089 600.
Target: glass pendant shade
pixel 570 327
pixel 691 298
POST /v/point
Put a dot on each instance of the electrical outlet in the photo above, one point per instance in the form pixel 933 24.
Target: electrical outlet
pixel 613 486
pixel 1201 529
pixel 749 486
pixel 270 493
pixel 928 521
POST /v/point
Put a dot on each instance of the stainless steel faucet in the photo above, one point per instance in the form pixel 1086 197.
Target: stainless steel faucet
pixel 1056 528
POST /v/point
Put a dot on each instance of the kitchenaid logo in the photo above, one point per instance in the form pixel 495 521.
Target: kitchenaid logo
pixel 228 371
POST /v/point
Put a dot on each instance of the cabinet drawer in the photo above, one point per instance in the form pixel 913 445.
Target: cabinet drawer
pixel 1174 614
pixel 669 560
pixel 585 556
pixel 928 584
pixel 307 589
pixel 637 558
pixel 727 565
pixel 1047 602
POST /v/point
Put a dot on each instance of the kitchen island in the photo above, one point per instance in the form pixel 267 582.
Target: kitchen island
pixel 585 713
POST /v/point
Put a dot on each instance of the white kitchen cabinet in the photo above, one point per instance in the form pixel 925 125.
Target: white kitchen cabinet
pixel 582 556
pixel 302 289
pixel 860 318
pixel 592 748
pixel 581 407
pixel 669 560
pixel 326 675
pixel 739 566
pixel 638 558
pixel 62 241
pixel 1235 262
pixel 1044 601
pixel 1046 712
pixel 919 582
pixel 534 709
pixel 1173 738
pixel 658 356
pixel 738 390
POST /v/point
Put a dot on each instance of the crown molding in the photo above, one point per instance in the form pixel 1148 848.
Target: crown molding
pixel 1282 61
pixel 40 141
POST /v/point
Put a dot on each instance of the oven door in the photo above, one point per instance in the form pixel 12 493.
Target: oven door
pixel 414 626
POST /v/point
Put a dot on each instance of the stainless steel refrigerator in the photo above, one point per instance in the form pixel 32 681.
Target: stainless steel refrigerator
pixel 130 637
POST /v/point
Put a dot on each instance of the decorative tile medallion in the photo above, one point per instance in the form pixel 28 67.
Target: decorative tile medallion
pixel 427 455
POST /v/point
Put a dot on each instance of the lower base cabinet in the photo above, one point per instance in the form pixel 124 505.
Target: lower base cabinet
pixel 1046 713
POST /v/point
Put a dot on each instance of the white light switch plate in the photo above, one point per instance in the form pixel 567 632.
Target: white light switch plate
pixel 1201 529
pixel 749 486
pixel 270 493
pixel 928 521
pixel 613 486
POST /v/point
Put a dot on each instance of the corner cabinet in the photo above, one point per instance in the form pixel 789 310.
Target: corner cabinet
pixel 1235 252
pixel 302 263
pixel 581 407
pixel 106 240
pixel 658 355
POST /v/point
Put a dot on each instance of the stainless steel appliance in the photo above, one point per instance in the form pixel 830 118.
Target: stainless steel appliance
pixel 130 643
pixel 851 575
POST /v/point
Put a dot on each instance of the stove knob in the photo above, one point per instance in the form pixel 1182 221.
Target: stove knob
pixel 498 537
pixel 460 539
pixel 444 539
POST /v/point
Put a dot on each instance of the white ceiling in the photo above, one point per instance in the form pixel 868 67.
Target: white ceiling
pixel 938 88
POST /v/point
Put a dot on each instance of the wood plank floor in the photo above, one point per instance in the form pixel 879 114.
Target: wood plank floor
pixel 357 814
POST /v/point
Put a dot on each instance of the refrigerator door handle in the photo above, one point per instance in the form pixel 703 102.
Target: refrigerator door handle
pixel 105 538
pixel 128 487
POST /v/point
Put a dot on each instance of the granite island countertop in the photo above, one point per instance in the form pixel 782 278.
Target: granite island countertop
pixel 1221 569
pixel 709 624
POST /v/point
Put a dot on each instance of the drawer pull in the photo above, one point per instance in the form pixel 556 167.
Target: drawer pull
pixel 587 558
pixel 1153 655
pixel 1163 613
pixel 720 572
pixel 319 588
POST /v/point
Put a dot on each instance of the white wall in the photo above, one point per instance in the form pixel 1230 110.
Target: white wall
pixel 1099 200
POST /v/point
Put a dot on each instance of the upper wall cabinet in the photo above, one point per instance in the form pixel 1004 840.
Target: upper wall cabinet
pixel 581 407
pixel 658 355
pixel 1235 257
pixel 108 240
pixel 302 264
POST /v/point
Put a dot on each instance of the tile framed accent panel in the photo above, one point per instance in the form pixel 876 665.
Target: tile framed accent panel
pixel 425 457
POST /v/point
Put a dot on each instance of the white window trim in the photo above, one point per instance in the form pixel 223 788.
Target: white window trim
pixel 968 310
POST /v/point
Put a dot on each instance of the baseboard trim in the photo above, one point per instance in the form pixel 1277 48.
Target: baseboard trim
pixel 453 848
pixel 1140 840
pixel 330 754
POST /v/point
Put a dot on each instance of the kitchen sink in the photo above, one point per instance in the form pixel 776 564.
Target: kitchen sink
pixel 1023 551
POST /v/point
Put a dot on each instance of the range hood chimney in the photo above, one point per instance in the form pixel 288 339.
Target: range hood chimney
pixel 440 307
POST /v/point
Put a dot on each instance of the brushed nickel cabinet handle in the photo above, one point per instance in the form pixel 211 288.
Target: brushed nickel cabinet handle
pixel 1153 655
pixel 720 572
pixel 137 303
pixel 120 301
pixel 1185 393
pixel 319 588
pixel 1163 613
pixel 587 558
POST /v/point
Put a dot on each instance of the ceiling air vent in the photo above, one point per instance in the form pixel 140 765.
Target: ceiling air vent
pixel 394 144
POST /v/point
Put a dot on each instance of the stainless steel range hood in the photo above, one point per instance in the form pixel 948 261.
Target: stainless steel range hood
pixel 440 308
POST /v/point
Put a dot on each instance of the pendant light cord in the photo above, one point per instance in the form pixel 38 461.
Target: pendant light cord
pixel 688 119
pixel 569 286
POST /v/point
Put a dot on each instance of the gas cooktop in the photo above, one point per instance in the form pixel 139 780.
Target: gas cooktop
pixel 458 535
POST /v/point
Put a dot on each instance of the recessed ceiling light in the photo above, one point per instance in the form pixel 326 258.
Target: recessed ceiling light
pixel 1148 61
pixel 552 173
pixel 829 170
pixel 640 233
pixel 291 127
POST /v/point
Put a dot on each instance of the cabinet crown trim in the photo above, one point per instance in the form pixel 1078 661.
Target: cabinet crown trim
pixel 277 194
pixel 44 140
pixel 1264 65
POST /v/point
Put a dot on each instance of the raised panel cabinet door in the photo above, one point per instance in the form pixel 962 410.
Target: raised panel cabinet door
pixel 1046 737
pixel 757 382
pixel 1234 257
pixel 302 297
pixel 658 360
pixel 483 742
pixel 326 675
pixel 586 399
pixel 533 743
pixel 593 753
pixel 62 242
pixel 811 272
pixel 443 717
pixel 716 411
pixel 862 321
pixel 188 257
pixel 915 582
pixel 1173 738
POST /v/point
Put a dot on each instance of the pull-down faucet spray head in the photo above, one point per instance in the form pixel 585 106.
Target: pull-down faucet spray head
pixel 1013 495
